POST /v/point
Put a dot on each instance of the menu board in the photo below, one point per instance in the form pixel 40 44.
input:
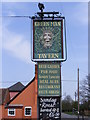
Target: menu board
pixel 49 79
pixel 49 108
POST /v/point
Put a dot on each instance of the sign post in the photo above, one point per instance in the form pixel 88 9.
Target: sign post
pixel 49 50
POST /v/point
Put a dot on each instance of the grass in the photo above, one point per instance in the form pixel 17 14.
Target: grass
pixel 71 113
pixel 75 113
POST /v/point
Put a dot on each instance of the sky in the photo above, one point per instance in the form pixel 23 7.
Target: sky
pixel 16 42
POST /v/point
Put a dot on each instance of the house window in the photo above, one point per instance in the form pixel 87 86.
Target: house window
pixel 28 111
pixel 11 112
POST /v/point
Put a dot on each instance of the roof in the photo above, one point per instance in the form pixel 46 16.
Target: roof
pixel 3 95
pixel 16 87
pixel 15 106
pixel 7 105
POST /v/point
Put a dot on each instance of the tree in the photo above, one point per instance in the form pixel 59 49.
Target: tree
pixel 68 99
pixel 75 105
pixel 85 94
pixel 67 104
pixel 85 90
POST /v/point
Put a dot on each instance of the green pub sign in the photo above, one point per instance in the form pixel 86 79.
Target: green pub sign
pixel 47 40
pixel 49 79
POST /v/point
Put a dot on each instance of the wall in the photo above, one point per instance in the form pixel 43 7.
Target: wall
pixel 28 98
pixel 2 107
pixel 12 94
pixel 0 112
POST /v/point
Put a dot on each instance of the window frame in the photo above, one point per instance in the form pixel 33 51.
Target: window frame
pixel 25 110
pixel 9 113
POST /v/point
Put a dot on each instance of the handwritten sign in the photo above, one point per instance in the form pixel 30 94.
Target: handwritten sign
pixel 49 108
pixel 49 79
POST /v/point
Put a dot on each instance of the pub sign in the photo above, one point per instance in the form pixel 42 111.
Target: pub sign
pixel 48 78
pixel 47 40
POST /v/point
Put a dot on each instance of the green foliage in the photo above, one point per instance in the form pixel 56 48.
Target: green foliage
pixel 85 94
pixel 85 90
pixel 67 104
pixel 84 106
pixel 75 105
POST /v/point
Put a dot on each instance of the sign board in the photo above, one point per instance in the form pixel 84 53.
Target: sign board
pixel 49 108
pixel 48 79
pixel 47 40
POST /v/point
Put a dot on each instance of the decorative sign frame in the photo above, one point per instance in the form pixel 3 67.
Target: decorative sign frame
pixel 48 40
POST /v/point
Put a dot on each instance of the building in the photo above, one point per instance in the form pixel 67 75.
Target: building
pixel 24 104
pixel 15 89
pixel 4 98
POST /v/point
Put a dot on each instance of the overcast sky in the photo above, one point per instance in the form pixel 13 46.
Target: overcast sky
pixel 16 42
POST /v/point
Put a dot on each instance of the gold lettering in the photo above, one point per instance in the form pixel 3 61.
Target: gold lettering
pixel 36 24
pixel 48 55
pixel 49 86
pixel 43 91
pixel 43 81
pixel 55 23
pixel 52 56
pixel 54 81
pixel 56 55
pixel 42 24
pixel 53 71
pixel 48 23
pixel 53 66
pixel 44 56
pixel 43 77
pixel 42 66
pixel 51 23
pixel 54 77
pixel 59 23
pixel 39 56
pixel 44 71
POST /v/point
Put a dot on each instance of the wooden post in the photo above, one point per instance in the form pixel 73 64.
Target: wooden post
pixel 78 92
pixel 75 96
pixel 60 93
